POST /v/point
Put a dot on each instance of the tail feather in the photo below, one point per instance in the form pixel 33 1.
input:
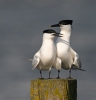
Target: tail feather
pixel 80 69
pixel 28 59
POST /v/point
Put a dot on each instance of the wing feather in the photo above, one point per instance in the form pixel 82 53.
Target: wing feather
pixel 35 62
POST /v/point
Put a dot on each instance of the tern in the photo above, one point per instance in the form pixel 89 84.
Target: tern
pixel 70 59
pixel 46 57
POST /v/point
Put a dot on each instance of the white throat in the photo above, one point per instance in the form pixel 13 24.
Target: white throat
pixel 48 40
pixel 66 31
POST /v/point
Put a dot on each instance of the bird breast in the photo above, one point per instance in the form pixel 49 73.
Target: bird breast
pixel 48 55
pixel 62 49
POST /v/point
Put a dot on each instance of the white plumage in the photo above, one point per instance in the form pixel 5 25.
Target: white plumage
pixel 45 58
pixel 70 59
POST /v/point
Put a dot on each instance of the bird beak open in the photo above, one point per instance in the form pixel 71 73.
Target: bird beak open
pixel 58 34
pixel 55 25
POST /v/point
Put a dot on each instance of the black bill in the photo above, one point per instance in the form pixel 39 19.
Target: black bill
pixel 58 34
pixel 55 25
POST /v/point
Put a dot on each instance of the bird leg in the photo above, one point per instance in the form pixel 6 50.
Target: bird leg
pixel 49 74
pixel 58 74
pixel 41 74
pixel 69 72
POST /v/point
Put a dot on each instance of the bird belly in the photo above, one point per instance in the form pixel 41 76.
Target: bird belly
pixel 45 65
pixel 64 55
pixel 47 59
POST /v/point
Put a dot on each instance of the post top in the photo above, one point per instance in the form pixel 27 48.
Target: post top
pixel 54 79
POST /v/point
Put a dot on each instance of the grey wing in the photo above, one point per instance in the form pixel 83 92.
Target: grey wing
pixel 78 61
pixel 35 62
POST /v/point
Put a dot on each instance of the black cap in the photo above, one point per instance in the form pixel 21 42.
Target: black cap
pixel 53 32
pixel 63 22
pixel 49 31
pixel 66 22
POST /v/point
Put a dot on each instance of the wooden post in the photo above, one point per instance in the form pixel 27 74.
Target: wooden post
pixel 53 89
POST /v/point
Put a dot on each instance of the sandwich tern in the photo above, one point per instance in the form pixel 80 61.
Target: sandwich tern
pixel 70 59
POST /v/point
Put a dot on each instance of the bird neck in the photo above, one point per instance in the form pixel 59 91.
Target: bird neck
pixel 47 41
pixel 66 36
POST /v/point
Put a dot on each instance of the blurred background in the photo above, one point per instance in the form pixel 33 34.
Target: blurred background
pixel 21 28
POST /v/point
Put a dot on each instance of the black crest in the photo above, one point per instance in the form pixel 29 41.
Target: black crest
pixel 66 22
pixel 49 31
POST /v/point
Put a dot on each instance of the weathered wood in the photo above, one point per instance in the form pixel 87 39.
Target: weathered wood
pixel 53 89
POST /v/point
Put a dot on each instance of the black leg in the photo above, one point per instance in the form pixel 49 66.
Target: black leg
pixel 40 73
pixel 58 74
pixel 49 73
pixel 70 73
